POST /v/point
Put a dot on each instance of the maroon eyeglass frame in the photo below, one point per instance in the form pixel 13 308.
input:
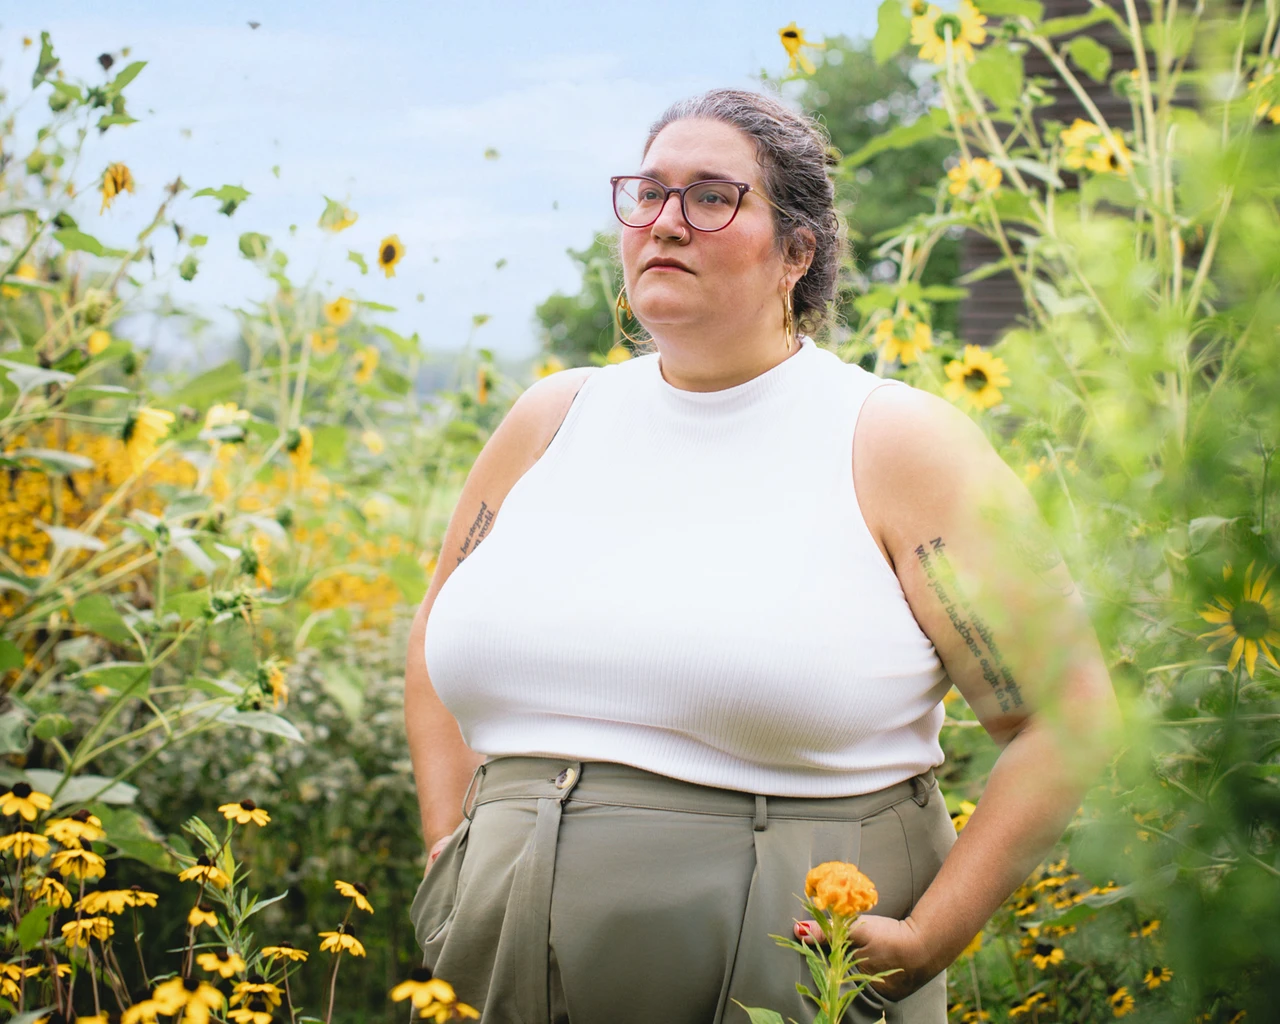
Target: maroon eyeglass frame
pixel 667 192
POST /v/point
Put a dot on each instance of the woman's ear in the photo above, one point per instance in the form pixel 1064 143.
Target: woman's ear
pixel 800 250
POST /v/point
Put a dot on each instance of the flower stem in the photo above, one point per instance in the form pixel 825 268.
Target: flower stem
pixel 333 986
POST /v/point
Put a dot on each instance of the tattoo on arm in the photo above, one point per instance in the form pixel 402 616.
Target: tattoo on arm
pixel 969 624
pixel 478 531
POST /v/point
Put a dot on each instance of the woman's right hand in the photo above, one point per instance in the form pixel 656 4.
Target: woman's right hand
pixel 436 847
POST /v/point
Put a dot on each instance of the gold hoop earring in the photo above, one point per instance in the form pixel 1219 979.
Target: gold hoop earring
pixel 621 308
pixel 788 320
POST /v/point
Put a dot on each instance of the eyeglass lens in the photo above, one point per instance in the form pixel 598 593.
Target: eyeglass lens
pixel 709 205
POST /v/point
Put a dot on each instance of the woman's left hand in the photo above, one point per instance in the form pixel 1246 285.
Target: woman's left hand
pixel 885 942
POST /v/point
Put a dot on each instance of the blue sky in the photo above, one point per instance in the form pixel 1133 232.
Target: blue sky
pixel 390 107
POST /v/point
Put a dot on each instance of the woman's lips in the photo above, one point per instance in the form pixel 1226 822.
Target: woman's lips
pixel 663 266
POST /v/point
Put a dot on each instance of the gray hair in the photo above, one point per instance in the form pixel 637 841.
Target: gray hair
pixel 793 151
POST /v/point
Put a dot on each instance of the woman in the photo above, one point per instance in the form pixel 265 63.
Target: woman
pixel 705 644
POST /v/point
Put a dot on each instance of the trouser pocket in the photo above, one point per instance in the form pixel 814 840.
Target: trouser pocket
pixel 436 900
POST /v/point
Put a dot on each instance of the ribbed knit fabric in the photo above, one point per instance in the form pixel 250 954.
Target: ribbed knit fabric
pixel 684 582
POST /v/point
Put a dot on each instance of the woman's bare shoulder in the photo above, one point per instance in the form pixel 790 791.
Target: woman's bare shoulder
pixel 544 405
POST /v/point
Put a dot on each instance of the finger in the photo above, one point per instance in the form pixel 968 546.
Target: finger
pixel 810 931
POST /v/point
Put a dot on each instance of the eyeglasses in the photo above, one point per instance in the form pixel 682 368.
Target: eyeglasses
pixel 708 205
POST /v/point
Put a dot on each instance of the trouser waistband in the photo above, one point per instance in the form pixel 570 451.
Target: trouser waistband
pixel 610 783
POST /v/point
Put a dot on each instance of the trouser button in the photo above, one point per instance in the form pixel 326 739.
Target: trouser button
pixel 565 779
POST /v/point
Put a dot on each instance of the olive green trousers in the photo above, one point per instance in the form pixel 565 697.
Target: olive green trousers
pixel 592 892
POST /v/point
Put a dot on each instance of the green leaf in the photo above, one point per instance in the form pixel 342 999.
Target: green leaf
pixel 211 386
pixel 257 905
pixel 1090 56
pixel 32 927
pixel 195 241
pixel 121 676
pixel 377 306
pixel 226 194
pixel 188 268
pixel 329 445
pixel 57 461
pixel 135 836
pixel 71 540
pixel 408 576
pixel 927 127
pixel 759 1015
pixel 334 214
pixel 1032 9
pixel 893 29
pixel 358 260
pixel 97 614
pixel 126 76
pixel 1065 26
pixel 262 721
pixel 405 346
pixel 394 381
pixel 75 240
pixel 81 789
pixel 997 74
pixel 46 727
pixel 253 246
pixel 107 120
pixel 31 1016
pixel 46 61
pixel 10 656
pixel 13 732
pixel 189 606
pixel 345 688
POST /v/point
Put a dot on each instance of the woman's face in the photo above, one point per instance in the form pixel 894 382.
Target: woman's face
pixel 733 275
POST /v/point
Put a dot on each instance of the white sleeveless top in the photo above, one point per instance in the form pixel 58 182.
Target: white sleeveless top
pixel 684 582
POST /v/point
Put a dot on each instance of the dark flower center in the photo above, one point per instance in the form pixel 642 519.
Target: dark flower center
pixel 948 21
pixel 81 816
pixel 1251 620
pixel 248 804
pixel 203 861
pixel 421 974
pixel 388 253
pixel 285 944
pixel 22 791
pixel 191 984
pixel 790 35
pixel 975 380
pixel 361 888
pixel 1043 949
pixel 255 979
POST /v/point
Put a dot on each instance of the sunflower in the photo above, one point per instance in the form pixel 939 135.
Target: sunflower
pixel 323 342
pixel 195 998
pixel 81 930
pixel 484 379
pixel 204 870
pixel 223 966
pixel 792 40
pixel 27 272
pixel 976 379
pixel 972 178
pixel 22 799
pixel 79 863
pixel 246 811
pixel 276 682
pixel 929 31
pixel 903 337
pixel 1046 953
pixel 1120 999
pixel 115 179
pixel 355 891
pixel 342 939
pixel 1086 145
pixel 1110 156
pixel 24 844
pixel 284 951
pixel 1266 109
pixel 547 366
pixel 336 216
pixel 1157 976
pixel 98 342
pixel 390 252
pixel 338 312
pixel 366 363
pixel 143 429
pixel 200 914
pixel 1249 625
pixel 300 443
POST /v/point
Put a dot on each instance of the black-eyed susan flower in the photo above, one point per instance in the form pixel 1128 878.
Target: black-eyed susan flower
pixel 144 1011
pixel 79 862
pixel 930 30
pixel 366 363
pixel 484 379
pixel 202 915
pixel 1120 999
pixel 97 1018
pixel 1145 929
pixel 1077 141
pixel 245 812
pixel 976 380
pixel 423 988
pixel 276 682
pixel 1157 976
pixel 355 891
pixel 284 951
pixel 970 179
pixel 193 997
pixel 903 337
pixel 115 179
pixel 81 930
pixel 143 429
pixel 204 870
pixel 53 892
pixel 256 985
pixel 344 939
pixel 792 41
pixel 1026 1005
pixel 1109 155
pixel 104 901
pixel 22 799
pixel 24 844
pixel 300 444
pixel 323 343
pixel 256 1010
pixel 339 311
pixel 1046 954
pixel 223 966
pixel 961 818
pixel 79 827
pixel 1250 625
pixel 1025 906
pixel 390 252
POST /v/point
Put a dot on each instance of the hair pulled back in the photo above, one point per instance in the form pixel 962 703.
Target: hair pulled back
pixel 793 151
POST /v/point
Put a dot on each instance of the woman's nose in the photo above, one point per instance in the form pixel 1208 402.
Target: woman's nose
pixel 671 220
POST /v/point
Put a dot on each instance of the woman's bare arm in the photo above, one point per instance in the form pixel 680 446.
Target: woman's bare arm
pixel 442 762
pixel 984 579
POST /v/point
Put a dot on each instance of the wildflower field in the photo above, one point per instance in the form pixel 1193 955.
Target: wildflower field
pixel 206 807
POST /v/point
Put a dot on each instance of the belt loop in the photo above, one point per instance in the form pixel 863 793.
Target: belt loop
pixel 762 814
pixel 921 790
pixel 481 769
